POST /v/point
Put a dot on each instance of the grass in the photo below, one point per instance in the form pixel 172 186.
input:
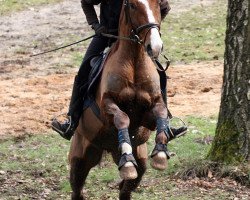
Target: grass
pixel 34 163
pixel 37 164
pixel 196 35
pixel 10 6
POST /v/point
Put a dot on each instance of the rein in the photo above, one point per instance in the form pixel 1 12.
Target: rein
pixel 133 38
pixel 62 47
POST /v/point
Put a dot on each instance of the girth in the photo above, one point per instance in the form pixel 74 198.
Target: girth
pixel 89 102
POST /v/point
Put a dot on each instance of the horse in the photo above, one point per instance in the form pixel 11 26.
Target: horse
pixel 130 102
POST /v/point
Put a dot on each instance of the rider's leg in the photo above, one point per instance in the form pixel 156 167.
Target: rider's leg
pixel 67 128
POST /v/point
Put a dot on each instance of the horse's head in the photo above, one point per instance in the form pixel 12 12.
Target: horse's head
pixel 144 18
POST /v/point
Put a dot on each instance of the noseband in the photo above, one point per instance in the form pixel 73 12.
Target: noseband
pixel 137 30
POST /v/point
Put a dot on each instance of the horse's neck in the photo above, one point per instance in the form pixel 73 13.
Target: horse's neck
pixel 131 51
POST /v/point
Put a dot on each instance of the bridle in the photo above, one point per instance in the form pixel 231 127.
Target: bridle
pixel 134 35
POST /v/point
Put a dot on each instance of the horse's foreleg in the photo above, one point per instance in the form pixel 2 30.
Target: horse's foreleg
pixel 127 186
pixel 82 157
pixel 121 121
pixel 160 153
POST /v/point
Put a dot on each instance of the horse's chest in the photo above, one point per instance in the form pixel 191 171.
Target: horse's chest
pixel 141 90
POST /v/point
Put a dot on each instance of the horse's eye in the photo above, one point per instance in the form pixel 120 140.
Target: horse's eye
pixel 132 6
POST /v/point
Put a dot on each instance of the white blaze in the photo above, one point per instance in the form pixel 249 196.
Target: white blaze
pixel 156 42
pixel 151 18
pixel 155 38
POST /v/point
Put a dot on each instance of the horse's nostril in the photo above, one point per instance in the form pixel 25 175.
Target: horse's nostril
pixel 149 50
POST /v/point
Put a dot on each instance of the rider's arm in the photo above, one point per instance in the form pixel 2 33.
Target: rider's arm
pixel 165 8
pixel 89 11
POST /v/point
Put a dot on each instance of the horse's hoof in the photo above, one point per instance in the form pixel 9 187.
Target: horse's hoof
pixel 159 161
pixel 128 171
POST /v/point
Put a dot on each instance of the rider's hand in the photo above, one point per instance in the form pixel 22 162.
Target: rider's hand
pixel 98 28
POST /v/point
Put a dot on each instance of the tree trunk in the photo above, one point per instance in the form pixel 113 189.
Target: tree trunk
pixel 232 137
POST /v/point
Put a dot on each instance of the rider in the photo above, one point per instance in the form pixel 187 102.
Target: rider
pixel 109 21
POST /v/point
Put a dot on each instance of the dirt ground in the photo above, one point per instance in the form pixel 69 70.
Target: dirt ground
pixel 35 89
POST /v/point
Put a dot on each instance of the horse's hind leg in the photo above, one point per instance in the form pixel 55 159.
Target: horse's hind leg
pixel 127 186
pixel 83 156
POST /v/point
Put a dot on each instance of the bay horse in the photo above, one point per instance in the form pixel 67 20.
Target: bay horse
pixel 131 104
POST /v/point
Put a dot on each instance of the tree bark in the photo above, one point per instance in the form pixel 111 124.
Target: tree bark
pixel 232 137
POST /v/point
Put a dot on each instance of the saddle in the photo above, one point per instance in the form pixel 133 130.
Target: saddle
pixel 96 64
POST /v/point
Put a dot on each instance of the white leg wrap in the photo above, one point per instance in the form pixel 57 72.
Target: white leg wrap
pixel 126 148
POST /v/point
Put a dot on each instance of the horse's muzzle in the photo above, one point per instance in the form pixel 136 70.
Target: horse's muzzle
pixel 154 43
pixel 151 53
pixel 149 50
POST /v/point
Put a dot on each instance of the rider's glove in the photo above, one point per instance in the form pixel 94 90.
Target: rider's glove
pixel 98 28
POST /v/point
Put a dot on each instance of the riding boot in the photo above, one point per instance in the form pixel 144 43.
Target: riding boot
pixel 67 128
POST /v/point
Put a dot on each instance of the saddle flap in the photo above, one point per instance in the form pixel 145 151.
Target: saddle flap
pixel 95 60
pixel 95 64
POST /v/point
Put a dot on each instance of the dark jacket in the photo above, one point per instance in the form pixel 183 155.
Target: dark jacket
pixel 110 11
